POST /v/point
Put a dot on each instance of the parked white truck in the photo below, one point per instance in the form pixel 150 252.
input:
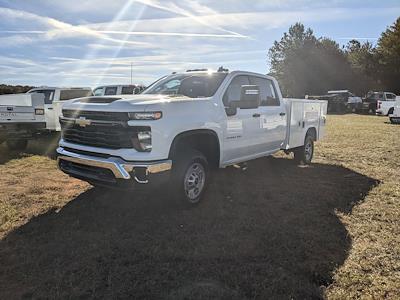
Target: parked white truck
pixel 54 99
pixel 119 89
pixel 183 125
pixel 395 116
pixel 21 118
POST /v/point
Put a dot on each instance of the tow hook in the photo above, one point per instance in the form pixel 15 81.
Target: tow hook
pixel 140 175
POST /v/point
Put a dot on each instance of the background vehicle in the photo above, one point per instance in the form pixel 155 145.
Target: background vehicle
pixel 340 101
pixel 353 103
pixel 110 90
pixel 182 126
pixel 381 103
pixel 395 116
pixel 21 118
pixel 54 98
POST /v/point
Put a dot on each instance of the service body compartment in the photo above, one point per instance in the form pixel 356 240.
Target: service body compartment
pixel 20 108
pixel 21 116
pixel 302 115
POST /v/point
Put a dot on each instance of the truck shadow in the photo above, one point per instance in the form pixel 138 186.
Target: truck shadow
pixel 272 231
pixel 45 145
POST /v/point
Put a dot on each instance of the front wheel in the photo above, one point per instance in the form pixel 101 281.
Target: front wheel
pixel 305 153
pixel 190 176
pixel 17 144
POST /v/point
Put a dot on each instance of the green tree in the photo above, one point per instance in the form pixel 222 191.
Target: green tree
pixel 388 56
pixel 305 65
pixel 364 64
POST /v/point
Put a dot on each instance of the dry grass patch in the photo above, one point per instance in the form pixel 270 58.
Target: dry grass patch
pixel 369 145
pixel 32 185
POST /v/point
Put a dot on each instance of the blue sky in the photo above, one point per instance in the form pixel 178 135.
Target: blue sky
pixel 88 43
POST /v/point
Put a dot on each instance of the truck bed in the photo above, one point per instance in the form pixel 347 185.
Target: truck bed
pixel 302 115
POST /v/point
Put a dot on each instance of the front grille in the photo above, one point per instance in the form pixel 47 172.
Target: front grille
pixel 96 115
pixel 111 135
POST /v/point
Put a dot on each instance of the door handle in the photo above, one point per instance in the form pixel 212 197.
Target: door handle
pixel 50 108
pixel 282 114
pixel 256 115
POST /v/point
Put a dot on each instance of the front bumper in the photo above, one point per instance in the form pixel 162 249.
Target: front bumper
pixel 112 170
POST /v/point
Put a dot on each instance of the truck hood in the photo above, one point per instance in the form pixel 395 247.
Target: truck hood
pixel 120 103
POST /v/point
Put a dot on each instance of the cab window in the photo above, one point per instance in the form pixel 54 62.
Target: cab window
pixel 267 91
pixel 48 95
pixel 98 91
pixel 233 91
pixel 72 94
pixel 390 96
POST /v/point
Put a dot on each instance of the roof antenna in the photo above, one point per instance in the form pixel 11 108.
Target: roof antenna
pixel 131 74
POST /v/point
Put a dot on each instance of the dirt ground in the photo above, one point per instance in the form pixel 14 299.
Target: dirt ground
pixel 277 230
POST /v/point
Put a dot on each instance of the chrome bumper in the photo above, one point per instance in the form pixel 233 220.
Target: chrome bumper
pixel 120 168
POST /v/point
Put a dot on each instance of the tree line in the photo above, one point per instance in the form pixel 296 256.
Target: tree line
pixel 14 89
pixel 306 65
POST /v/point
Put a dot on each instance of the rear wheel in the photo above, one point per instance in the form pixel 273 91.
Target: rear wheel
pixel 190 176
pixel 305 153
pixel 17 144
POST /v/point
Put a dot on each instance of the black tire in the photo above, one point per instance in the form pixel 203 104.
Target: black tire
pixel 372 110
pixel 304 154
pixel 190 172
pixel 17 145
pixel 394 120
pixel 390 112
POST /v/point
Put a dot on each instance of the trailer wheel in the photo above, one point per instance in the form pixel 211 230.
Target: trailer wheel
pixel 304 154
pixel 189 176
pixel 17 144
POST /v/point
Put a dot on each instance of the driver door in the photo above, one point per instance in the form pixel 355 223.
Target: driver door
pixel 241 130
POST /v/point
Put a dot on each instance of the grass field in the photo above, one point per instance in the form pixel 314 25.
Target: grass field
pixel 278 230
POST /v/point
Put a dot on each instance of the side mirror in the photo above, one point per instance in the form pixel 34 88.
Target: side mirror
pixel 249 97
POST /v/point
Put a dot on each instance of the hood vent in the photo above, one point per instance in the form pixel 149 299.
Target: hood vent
pixel 99 99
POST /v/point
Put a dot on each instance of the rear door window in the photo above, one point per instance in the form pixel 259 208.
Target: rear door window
pixel 127 90
pixel 267 91
pixel 110 90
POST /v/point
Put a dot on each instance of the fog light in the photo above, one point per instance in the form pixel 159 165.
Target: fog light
pixel 142 141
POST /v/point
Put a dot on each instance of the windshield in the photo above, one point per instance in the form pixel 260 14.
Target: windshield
pixel 190 85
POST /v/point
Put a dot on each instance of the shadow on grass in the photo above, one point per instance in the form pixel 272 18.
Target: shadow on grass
pixel 269 232
pixel 45 145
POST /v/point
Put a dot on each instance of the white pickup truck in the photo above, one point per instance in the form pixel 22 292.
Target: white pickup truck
pixel 55 98
pixel 395 116
pixel 21 117
pixel 183 125
pixel 119 89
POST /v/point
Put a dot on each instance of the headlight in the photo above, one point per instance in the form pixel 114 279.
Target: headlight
pixel 155 115
pixel 39 111
pixel 142 141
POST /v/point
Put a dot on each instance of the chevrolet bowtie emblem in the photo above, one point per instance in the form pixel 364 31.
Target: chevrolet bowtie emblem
pixel 83 122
